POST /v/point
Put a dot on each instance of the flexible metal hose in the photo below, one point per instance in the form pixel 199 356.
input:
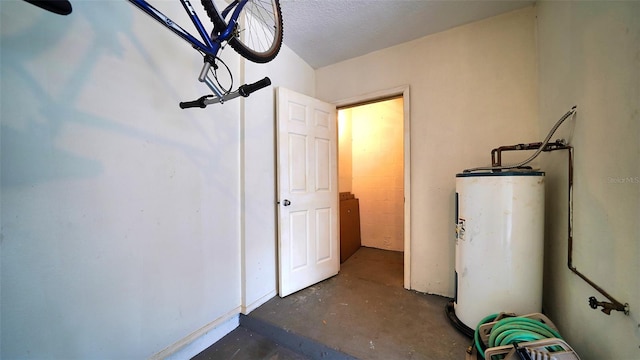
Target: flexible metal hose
pixel 540 149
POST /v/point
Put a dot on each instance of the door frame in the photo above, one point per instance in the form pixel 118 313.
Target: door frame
pixel 379 96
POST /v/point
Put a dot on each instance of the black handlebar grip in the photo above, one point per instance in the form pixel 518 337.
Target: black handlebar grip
pixel 246 90
pixel 195 103
pixel 60 7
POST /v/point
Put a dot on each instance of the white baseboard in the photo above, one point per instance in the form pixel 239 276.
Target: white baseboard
pixel 201 339
pixel 246 309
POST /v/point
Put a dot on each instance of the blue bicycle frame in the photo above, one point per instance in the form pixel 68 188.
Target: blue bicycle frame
pixel 210 43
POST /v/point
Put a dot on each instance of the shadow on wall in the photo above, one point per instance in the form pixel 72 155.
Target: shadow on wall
pixel 35 115
pixel 119 208
pixel 50 63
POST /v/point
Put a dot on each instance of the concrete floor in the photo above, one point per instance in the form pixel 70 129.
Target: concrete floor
pixel 363 313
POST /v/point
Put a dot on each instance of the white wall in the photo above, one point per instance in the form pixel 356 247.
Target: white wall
pixel 473 88
pixel 123 215
pixel 120 211
pixel 589 56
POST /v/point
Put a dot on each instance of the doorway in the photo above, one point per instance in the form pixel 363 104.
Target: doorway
pixel 373 166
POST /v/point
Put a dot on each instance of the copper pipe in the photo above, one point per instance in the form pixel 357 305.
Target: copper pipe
pixel 496 154
pixel 606 307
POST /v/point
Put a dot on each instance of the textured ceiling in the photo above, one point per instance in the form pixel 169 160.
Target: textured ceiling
pixel 324 32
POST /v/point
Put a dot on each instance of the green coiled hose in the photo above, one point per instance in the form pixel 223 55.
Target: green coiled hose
pixel 512 330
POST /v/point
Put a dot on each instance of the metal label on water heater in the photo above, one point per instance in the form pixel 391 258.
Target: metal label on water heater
pixel 460 229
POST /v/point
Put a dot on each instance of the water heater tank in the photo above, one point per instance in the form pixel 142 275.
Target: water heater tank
pixel 499 244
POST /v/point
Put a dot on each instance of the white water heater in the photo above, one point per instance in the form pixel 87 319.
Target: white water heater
pixel 499 244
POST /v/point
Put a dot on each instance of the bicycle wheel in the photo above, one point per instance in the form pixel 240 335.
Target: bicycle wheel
pixel 259 36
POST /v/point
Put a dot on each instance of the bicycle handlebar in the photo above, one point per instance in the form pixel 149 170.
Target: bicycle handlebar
pixel 244 91
pixel 195 103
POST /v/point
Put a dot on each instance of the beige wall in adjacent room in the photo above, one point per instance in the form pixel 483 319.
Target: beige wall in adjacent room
pixel 345 150
pixel 377 172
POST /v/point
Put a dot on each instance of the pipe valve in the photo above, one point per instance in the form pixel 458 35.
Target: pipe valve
pixel 607 306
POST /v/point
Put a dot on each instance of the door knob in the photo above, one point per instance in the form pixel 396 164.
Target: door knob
pixel 286 202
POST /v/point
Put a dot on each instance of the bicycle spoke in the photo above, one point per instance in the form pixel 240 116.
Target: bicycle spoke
pixel 260 32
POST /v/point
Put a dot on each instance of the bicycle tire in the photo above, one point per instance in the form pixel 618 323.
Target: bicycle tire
pixel 262 39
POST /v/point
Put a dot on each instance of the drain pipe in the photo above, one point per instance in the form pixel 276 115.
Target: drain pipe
pixel 496 159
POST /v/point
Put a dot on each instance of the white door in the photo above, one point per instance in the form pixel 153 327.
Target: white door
pixel 308 247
